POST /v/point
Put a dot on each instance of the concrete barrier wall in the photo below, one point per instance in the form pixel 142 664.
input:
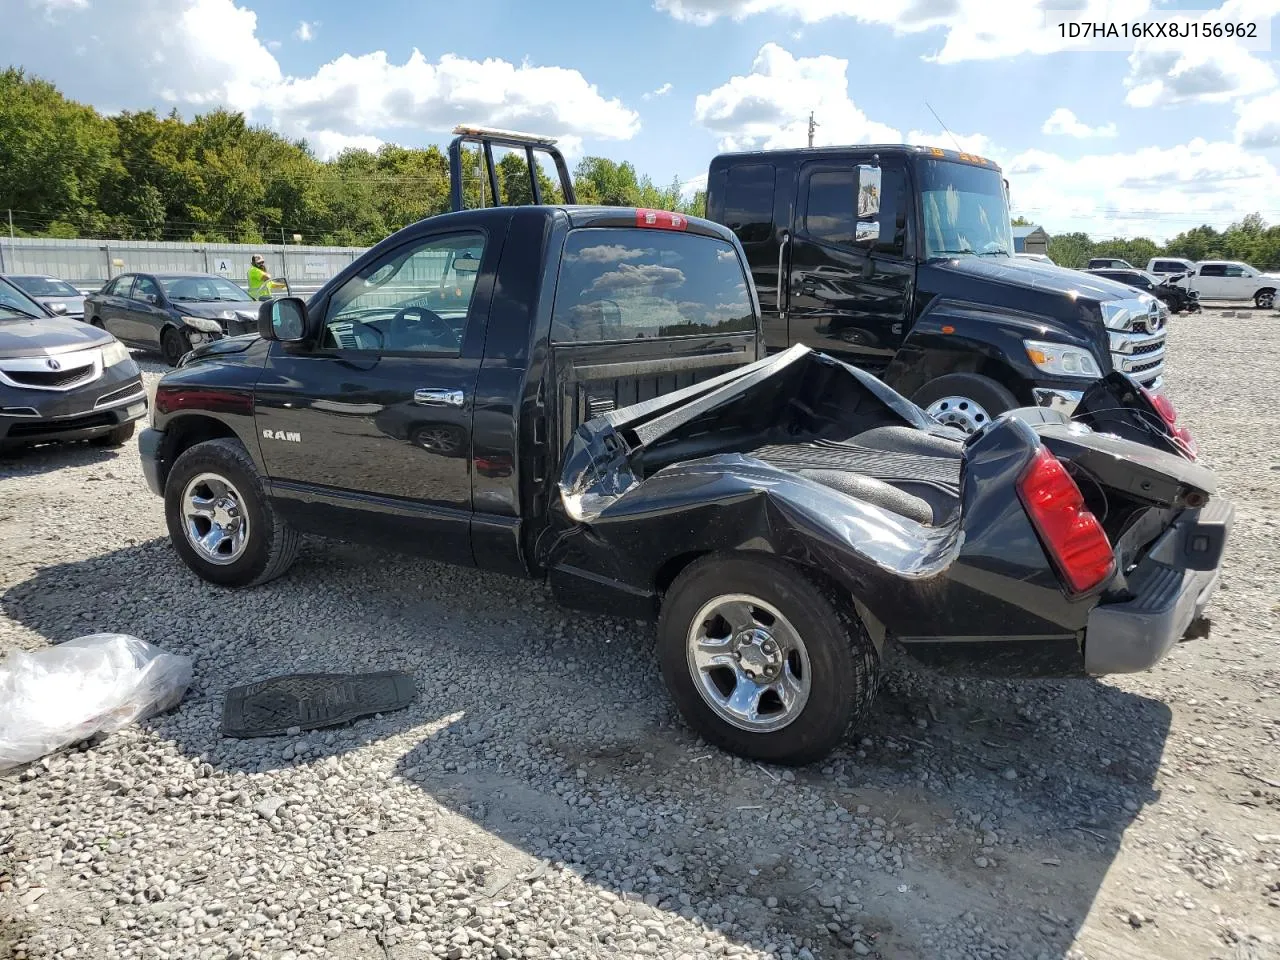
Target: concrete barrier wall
pixel 88 264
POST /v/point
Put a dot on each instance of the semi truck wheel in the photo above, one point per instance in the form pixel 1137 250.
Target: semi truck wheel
pixel 966 401
pixel 764 661
pixel 220 520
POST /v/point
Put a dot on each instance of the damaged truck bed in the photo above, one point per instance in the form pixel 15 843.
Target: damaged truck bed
pixel 1036 547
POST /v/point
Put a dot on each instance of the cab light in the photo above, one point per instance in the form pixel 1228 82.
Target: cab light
pixel 1071 534
pixel 661 219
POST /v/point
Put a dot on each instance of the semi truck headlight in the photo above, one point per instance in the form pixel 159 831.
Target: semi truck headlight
pixel 1061 360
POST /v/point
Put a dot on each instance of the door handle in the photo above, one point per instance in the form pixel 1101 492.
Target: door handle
pixel 432 397
pixel 786 238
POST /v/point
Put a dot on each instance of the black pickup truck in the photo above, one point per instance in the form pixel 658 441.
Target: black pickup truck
pixel 582 394
pixel 899 260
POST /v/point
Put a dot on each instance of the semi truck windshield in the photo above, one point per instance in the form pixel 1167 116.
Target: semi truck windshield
pixel 965 210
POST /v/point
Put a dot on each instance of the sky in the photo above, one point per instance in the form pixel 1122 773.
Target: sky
pixel 1142 138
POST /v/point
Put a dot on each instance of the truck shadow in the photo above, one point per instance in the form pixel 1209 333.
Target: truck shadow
pixel 961 816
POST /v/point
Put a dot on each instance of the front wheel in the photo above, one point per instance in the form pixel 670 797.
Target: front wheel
pixel 118 437
pixel 1265 299
pixel 966 401
pixel 764 661
pixel 174 345
pixel 220 520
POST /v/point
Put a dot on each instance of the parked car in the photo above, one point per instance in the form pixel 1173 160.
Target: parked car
pixel 1109 263
pixel 169 313
pixel 60 297
pixel 1038 257
pixel 62 380
pixel 621 433
pixel 1174 297
pixel 915 281
pixel 1169 266
pixel 1232 280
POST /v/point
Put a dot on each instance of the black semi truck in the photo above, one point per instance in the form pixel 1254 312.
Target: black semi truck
pixel 899 260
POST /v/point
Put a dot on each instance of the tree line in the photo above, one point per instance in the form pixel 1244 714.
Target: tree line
pixel 68 171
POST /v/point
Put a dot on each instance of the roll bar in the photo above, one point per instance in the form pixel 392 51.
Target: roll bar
pixel 488 138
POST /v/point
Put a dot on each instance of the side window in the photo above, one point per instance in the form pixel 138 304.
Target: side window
pixel 144 287
pixel 414 300
pixel 829 206
pixel 748 201
pixel 1213 270
pixel 863 206
pixel 1234 271
pixel 631 284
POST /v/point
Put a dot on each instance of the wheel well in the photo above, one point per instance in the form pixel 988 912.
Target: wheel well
pixel 185 432
pixel 1264 290
pixel 672 568
pixel 1004 375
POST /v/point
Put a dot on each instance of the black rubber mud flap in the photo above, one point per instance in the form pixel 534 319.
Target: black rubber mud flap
pixel 308 701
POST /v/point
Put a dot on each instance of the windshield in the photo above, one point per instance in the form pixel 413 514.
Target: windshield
pixel 15 303
pixel 201 289
pixel 965 209
pixel 46 287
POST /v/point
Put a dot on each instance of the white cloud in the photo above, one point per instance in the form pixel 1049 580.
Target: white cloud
pixel 691 186
pixel 1063 121
pixel 977 143
pixel 306 30
pixel 1258 124
pixel 210 54
pixel 769 107
pixel 1154 191
pixel 662 91
pixel 1212 72
pixel 327 144
pixel 975 29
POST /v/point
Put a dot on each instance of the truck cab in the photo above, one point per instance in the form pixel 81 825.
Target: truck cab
pixel 899 260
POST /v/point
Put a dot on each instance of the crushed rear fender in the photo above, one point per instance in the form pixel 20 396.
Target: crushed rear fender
pixel 645 489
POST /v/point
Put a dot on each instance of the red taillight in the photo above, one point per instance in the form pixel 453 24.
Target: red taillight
pixel 1163 406
pixel 661 220
pixel 1072 535
pixel 1170 416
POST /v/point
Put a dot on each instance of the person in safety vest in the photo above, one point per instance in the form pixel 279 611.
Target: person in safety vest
pixel 260 282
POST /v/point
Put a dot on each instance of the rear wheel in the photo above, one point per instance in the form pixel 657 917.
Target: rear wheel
pixel 764 661
pixel 966 401
pixel 1265 299
pixel 173 346
pixel 220 520
pixel 117 437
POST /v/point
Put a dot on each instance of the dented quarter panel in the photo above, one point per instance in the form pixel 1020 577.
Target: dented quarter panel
pixel 981 575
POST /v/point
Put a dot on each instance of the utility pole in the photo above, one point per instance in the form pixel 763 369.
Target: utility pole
pixel 10 224
pixel 812 127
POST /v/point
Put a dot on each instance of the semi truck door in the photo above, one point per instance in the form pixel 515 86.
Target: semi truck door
pixel 851 279
pixel 367 435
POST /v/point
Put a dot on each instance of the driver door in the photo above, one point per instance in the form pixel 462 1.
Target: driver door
pixel 851 279
pixel 367 435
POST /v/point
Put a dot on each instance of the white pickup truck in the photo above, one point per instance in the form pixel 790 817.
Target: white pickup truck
pixel 1232 280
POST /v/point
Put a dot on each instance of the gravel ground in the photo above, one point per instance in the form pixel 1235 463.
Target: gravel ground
pixel 542 799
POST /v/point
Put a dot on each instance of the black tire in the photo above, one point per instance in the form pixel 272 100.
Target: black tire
pixel 97 322
pixel 117 437
pixel 271 544
pixel 174 345
pixel 1264 299
pixel 993 398
pixel 844 663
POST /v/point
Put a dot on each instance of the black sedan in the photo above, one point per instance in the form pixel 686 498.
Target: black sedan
pixel 170 313
pixel 61 379
pixel 57 295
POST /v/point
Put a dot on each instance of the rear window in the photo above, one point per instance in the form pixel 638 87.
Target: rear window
pixel 629 284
